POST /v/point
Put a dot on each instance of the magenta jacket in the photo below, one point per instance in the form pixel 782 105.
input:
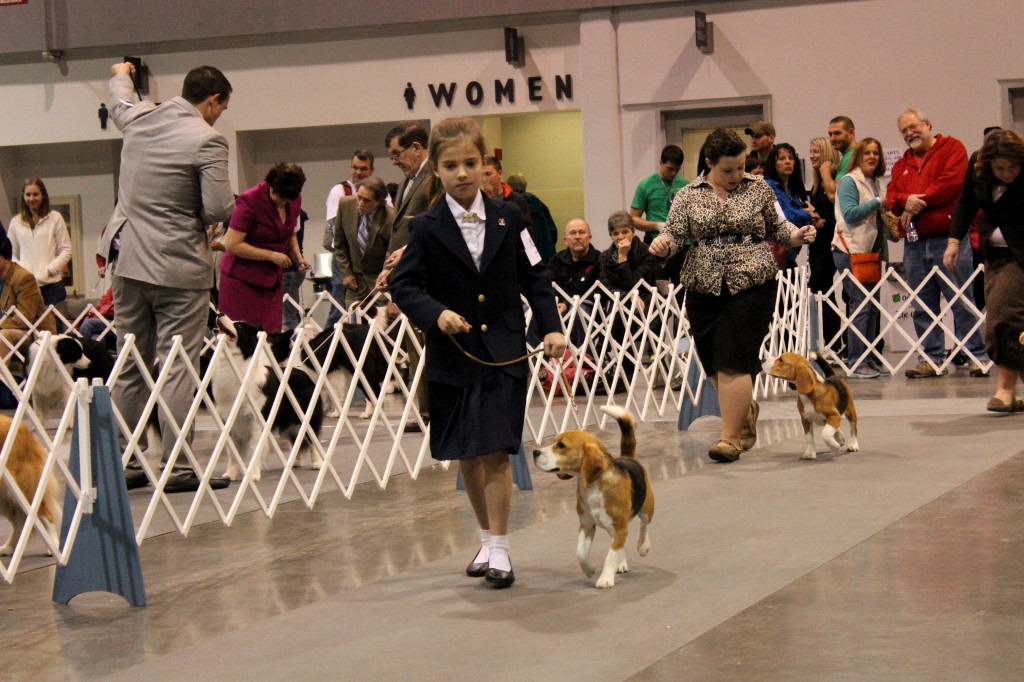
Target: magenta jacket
pixel 256 216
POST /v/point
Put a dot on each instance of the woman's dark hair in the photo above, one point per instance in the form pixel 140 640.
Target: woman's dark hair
pixel 795 186
pixel 286 179
pixel 721 143
pixel 203 81
pixel 702 163
pixel 1001 144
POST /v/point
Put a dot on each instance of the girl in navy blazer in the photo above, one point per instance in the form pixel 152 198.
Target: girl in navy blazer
pixel 468 261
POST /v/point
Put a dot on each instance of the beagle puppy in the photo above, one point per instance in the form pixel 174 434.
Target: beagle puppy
pixel 821 402
pixel 609 491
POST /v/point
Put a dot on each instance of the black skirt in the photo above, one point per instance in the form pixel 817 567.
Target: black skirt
pixel 728 329
pixel 474 420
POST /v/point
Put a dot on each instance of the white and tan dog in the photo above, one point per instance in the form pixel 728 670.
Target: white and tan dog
pixel 609 491
pixel 25 464
pixel 820 402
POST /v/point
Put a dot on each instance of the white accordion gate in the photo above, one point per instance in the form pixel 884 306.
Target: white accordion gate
pixel 632 350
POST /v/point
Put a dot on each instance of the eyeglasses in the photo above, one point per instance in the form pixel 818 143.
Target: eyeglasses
pixel 913 127
pixel 397 153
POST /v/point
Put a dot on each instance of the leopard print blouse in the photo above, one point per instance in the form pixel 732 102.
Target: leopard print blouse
pixel 697 215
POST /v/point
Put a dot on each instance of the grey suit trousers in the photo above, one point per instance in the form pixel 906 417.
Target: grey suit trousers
pixel 155 315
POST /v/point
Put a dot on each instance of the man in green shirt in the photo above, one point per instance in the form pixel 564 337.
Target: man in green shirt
pixel 654 194
pixel 843 138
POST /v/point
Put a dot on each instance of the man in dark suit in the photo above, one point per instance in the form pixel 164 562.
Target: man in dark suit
pixel 173 183
pixel 362 236
pixel 407 144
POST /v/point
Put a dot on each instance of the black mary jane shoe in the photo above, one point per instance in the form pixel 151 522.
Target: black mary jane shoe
pixel 499 579
pixel 477 569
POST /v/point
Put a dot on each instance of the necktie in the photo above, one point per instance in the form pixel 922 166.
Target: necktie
pixel 363 232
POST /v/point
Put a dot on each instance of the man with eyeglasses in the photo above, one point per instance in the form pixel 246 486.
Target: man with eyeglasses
pixel 762 139
pixel 407 145
pixel 923 192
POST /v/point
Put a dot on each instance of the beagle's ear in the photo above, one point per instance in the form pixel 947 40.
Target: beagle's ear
pixel 804 378
pixel 593 464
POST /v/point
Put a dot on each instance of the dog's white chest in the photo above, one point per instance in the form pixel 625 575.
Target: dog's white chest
pixel 807 409
pixel 593 507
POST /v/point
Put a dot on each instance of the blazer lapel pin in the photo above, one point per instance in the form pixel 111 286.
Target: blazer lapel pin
pixel 501 222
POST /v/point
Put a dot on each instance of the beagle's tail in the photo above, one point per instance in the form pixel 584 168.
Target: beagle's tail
pixel 826 369
pixel 626 426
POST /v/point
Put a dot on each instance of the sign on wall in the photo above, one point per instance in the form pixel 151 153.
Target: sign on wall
pixel 501 92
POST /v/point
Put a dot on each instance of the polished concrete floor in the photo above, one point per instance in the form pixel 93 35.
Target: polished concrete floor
pixel 902 561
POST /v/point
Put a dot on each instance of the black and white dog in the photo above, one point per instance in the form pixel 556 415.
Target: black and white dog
pixel 262 387
pixel 81 358
pixel 341 369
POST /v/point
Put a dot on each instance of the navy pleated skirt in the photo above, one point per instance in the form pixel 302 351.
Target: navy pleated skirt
pixel 474 420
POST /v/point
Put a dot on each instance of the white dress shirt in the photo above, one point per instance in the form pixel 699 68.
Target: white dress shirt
pixel 472 230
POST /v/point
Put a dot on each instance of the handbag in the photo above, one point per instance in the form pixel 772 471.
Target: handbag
pixel 892 226
pixel 866 267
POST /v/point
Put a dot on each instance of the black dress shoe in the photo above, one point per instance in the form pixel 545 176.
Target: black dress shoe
pixel 135 478
pixel 499 579
pixel 188 482
pixel 476 569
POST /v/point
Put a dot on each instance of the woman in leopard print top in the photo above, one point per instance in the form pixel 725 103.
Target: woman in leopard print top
pixel 729 274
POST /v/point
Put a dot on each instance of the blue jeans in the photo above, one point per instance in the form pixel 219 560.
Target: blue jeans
pixel 865 320
pixel 53 293
pixel 292 318
pixel 338 292
pixel 919 258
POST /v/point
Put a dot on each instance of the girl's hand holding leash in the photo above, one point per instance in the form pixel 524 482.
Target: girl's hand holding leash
pixel 554 345
pixel 450 322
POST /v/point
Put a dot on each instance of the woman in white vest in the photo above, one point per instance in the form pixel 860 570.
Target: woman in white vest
pixel 40 241
pixel 859 203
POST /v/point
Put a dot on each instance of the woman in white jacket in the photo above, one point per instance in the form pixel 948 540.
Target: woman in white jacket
pixel 39 240
pixel 859 203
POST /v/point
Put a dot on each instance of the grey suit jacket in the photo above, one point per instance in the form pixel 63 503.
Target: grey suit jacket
pixel 415 202
pixel 346 244
pixel 173 183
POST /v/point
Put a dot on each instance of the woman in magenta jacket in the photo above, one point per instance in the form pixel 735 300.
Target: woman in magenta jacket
pixel 260 243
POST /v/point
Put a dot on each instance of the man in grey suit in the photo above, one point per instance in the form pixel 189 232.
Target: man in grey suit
pixel 407 144
pixel 173 183
pixel 362 237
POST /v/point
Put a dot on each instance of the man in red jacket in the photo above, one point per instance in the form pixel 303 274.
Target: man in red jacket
pixel 923 192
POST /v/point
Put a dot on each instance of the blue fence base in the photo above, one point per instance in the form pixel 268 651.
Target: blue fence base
pixel 706 404
pixel 105 556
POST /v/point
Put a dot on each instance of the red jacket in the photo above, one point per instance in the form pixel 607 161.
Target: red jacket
pixel 938 176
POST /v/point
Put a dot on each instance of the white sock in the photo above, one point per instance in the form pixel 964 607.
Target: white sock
pixel 485 548
pixel 499 553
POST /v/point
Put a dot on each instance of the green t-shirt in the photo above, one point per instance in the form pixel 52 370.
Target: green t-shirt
pixel 653 196
pixel 844 164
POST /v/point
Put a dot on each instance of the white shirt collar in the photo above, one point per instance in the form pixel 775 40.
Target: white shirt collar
pixel 458 211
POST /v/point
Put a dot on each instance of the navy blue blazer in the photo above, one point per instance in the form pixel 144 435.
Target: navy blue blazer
pixel 437 272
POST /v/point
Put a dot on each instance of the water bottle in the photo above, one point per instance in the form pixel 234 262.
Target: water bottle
pixel 912 232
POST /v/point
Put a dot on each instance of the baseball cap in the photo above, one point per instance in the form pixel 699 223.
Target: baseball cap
pixel 761 128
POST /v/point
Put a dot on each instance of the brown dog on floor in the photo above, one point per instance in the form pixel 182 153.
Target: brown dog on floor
pixel 819 402
pixel 609 491
pixel 25 464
